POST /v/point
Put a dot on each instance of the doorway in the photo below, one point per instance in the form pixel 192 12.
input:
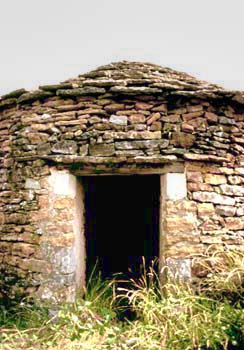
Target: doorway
pixel 121 223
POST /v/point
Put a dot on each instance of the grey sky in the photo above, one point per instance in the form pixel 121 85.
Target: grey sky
pixel 47 41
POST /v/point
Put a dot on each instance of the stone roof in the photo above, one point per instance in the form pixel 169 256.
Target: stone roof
pixel 126 78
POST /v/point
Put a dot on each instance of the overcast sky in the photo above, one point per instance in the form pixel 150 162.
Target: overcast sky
pixel 47 41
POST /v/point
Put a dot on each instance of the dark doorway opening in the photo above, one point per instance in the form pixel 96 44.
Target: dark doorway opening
pixel 121 223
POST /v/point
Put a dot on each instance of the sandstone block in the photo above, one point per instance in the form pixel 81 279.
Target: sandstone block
pixel 16 218
pixel 23 249
pixel 199 123
pixel 213 197
pixel 187 127
pixel 32 184
pixel 232 190
pixel 189 116
pixel 137 118
pixel 35 265
pixel 62 203
pixel 178 224
pixel 143 105
pixel 211 117
pixel 160 108
pixel 83 150
pixel 129 153
pixel 174 186
pixel 156 126
pixel 239 171
pixel 181 139
pixel 205 209
pixel 214 179
pixel 147 144
pixel 225 210
pixel 102 150
pixel 37 138
pixel 87 90
pixel 137 135
pixel 194 176
pixel 235 223
pixel 184 249
pixel 235 180
pixel 114 107
pixel 180 207
pixel 118 119
pixel 65 147
pixel 153 118
pixel 194 187
pixel 240 211
pixel 194 108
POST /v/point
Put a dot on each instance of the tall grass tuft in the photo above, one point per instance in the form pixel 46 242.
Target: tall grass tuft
pixel 205 315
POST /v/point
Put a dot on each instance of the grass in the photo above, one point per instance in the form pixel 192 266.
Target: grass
pixel 206 315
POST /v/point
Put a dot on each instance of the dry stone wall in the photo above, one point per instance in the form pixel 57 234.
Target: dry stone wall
pixel 93 130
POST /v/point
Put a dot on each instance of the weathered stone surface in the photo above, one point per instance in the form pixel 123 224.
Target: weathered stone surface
pixel 32 184
pixel 205 209
pixel 130 135
pixel 194 176
pixel 55 87
pixel 169 188
pixel 153 118
pixel 179 269
pixel 147 144
pixel 156 126
pixel 239 170
pixel 88 90
pixel 177 224
pixel 65 147
pixel 204 157
pixel 102 150
pixel 23 249
pixel 33 96
pixel 194 108
pixel 83 150
pixel 182 139
pixel 44 149
pixel 225 210
pixel 199 186
pixel 114 107
pixel 161 108
pixel 211 117
pixel 129 153
pixel 214 179
pixel 63 202
pixel 143 106
pixel 16 218
pixel 137 118
pixel 189 116
pixel 134 90
pixel 235 180
pixel 213 197
pixel 232 190
pixel 235 223
pixel 118 119
pixel 240 211
pixel 180 207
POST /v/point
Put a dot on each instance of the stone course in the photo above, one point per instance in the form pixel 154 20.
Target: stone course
pixel 130 116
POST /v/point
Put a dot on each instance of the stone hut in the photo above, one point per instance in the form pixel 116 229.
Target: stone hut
pixel 128 160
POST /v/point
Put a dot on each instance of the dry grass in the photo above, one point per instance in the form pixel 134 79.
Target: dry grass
pixel 208 315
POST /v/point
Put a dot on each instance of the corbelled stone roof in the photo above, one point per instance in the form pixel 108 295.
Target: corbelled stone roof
pixel 126 78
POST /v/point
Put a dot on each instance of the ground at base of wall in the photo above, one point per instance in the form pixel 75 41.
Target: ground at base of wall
pixel 176 317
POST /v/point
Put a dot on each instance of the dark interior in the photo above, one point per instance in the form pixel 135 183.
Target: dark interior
pixel 121 223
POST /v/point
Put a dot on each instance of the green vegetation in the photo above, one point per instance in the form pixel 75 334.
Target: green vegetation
pixel 204 315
